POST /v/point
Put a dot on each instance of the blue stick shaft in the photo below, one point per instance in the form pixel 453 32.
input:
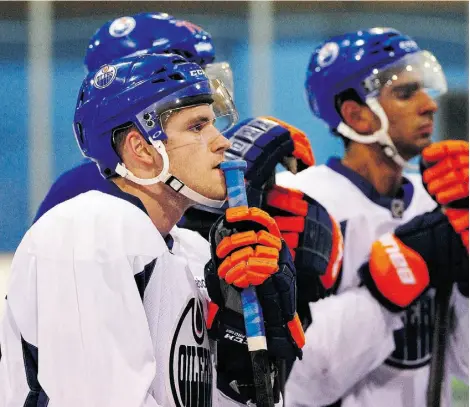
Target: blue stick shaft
pixel 252 312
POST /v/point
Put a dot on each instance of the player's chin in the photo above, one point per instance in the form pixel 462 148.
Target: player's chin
pixel 423 141
pixel 216 188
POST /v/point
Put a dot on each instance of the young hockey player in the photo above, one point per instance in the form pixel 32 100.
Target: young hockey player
pixel 103 308
pixel 370 344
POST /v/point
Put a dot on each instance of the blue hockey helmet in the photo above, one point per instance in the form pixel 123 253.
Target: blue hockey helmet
pixel 147 33
pixel 355 61
pixel 139 90
pixel 365 62
pixel 155 33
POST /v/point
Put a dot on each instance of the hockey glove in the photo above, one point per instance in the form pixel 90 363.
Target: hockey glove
pixel 444 167
pixel 445 172
pixel 247 249
pixel 424 252
pixel 313 236
pixel 264 142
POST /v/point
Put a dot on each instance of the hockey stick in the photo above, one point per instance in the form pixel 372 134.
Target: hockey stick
pixel 441 326
pixel 252 312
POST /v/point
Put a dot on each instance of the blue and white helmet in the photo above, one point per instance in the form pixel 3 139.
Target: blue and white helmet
pixel 139 90
pixel 365 62
pixel 155 33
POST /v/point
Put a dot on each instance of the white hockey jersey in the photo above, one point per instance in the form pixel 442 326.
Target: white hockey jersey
pixel 102 311
pixel 356 351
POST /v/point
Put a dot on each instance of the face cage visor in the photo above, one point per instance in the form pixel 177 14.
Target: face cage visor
pixel 413 72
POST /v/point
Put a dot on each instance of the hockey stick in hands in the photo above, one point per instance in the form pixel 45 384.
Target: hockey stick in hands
pixel 252 312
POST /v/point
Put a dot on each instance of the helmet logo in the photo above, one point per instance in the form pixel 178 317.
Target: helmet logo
pixel 104 77
pixel 328 54
pixel 197 72
pixel 408 45
pixel 121 27
pixel 203 46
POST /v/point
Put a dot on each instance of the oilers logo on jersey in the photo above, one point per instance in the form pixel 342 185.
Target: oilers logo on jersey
pixel 190 361
pixel 413 343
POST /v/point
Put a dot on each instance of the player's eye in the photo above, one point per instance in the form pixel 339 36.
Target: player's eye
pixel 405 92
pixel 200 125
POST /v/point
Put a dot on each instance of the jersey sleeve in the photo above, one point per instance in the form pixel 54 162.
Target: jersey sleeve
pixel 351 336
pixel 457 346
pixel 75 299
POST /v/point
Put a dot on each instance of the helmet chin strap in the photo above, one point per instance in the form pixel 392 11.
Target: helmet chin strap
pixel 381 136
pixel 168 179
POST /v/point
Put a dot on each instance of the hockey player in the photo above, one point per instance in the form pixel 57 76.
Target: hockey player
pixel 263 142
pixel 133 35
pixel 370 344
pixel 103 308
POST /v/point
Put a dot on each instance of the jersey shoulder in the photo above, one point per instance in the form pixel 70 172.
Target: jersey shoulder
pixel 191 243
pixel 421 201
pixel 335 192
pixel 96 226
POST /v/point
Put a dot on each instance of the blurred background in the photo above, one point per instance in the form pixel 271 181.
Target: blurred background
pixel 268 44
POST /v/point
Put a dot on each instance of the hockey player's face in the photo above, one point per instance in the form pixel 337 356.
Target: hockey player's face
pixel 410 111
pixel 195 149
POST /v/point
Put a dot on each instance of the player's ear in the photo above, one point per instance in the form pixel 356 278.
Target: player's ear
pixel 137 149
pixel 359 117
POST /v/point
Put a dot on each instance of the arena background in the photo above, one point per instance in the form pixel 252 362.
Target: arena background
pixel 268 44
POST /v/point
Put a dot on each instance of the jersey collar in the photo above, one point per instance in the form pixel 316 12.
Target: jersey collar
pixel 111 188
pixel 396 204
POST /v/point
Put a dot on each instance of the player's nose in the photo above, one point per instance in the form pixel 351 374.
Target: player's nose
pixel 427 104
pixel 219 144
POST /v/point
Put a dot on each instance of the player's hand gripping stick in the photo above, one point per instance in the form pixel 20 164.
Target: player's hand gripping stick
pixel 252 312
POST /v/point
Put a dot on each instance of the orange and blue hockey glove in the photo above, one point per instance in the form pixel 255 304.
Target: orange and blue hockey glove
pixel 425 252
pixel 444 167
pixel 247 249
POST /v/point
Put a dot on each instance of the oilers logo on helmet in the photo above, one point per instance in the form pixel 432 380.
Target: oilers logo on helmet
pixel 190 375
pixel 328 54
pixel 104 77
pixel 122 26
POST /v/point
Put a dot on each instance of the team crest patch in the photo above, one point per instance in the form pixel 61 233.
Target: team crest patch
pixel 328 54
pixel 121 27
pixel 104 77
pixel 413 343
pixel 190 376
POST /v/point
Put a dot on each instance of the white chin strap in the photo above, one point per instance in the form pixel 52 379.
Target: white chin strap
pixel 168 179
pixel 380 136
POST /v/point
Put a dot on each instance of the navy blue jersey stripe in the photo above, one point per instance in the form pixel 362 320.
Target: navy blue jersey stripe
pixel 36 396
pixel 142 279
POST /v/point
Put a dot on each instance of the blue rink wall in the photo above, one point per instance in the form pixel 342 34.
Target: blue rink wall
pixel 289 61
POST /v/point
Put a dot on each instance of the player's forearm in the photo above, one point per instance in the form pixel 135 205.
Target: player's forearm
pixel 351 335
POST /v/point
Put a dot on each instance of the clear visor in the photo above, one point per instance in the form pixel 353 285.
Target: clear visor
pixel 213 116
pixel 222 72
pixel 419 70
pixel 220 113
